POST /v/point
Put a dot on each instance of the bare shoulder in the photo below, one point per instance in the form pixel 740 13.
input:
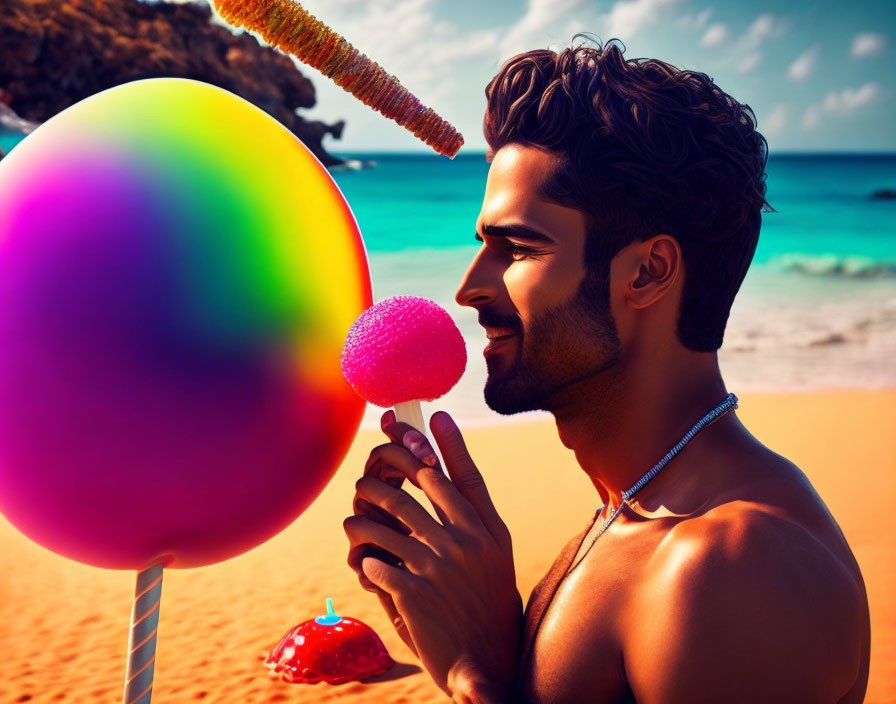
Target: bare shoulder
pixel 748 604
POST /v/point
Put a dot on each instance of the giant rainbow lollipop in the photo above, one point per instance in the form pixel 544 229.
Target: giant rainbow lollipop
pixel 172 312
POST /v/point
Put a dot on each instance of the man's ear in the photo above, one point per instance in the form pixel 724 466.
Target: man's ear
pixel 652 267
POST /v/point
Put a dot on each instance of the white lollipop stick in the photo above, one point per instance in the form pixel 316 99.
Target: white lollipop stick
pixel 142 638
pixel 410 412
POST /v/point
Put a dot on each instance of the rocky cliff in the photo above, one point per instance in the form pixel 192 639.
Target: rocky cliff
pixel 53 53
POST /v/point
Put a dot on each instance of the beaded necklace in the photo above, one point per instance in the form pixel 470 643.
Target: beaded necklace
pixel 716 413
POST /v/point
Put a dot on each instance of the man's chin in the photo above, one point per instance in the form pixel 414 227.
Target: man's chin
pixel 507 401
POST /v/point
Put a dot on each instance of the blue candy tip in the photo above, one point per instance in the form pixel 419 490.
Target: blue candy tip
pixel 331 618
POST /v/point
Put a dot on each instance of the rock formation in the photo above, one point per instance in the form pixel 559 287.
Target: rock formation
pixel 54 53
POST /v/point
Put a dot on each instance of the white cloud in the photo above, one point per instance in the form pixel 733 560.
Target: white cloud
pixel 537 27
pixel 868 44
pixel 775 122
pixel 627 17
pixel 696 22
pixel 715 35
pixel 747 48
pixel 762 28
pixel 811 118
pixel 841 102
pixel 749 63
pixel 406 39
pixel 446 64
pixel 802 68
pixel 851 99
pixel 549 21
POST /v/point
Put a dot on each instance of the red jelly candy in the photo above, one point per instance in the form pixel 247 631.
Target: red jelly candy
pixel 331 648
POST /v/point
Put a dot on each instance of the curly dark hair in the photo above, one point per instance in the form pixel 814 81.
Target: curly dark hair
pixel 645 149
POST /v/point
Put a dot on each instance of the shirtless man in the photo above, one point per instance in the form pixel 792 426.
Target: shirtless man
pixel 621 212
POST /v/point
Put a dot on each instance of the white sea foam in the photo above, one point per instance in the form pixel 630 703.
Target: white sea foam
pixel 833 265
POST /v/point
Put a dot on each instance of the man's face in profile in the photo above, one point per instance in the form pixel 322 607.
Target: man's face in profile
pixel 529 284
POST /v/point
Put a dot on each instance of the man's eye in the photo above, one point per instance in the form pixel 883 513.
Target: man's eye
pixel 518 251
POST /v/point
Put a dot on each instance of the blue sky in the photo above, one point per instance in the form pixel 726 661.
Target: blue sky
pixel 818 73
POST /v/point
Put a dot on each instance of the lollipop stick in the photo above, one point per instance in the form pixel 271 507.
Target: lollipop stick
pixel 410 412
pixel 142 638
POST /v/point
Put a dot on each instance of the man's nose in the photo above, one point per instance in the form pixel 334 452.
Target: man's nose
pixel 480 284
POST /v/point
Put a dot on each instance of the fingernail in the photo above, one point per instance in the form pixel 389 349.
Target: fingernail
pixel 387 419
pixel 417 443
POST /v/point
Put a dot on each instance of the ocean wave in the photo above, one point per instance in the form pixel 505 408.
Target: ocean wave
pixel 868 324
pixel 852 266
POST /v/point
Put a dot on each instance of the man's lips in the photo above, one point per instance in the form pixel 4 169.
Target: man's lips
pixel 493 333
pixel 497 343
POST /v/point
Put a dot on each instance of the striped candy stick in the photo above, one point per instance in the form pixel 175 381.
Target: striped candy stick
pixel 142 638
pixel 288 26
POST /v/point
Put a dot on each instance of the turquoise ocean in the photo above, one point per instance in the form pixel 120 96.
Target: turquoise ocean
pixel 817 309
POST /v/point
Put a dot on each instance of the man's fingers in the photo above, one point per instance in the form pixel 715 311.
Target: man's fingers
pixel 401 505
pixel 399 433
pixel 396 619
pixel 356 555
pixel 380 515
pixel 378 469
pixel 394 429
pixel 360 530
pixel 419 445
pixel 400 584
pixel 464 473
pixel 390 461
pixel 449 504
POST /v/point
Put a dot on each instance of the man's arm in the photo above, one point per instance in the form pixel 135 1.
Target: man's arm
pixel 743 606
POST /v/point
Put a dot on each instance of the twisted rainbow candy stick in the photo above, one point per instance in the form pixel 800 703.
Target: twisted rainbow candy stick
pixel 289 27
pixel 142 638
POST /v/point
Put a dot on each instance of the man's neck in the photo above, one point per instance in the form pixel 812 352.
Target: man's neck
pixel 623 421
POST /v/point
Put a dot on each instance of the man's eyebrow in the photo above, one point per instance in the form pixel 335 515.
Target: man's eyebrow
pixel 522 232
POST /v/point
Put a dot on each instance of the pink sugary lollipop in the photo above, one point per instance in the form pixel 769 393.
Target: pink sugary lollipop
pixel 401 351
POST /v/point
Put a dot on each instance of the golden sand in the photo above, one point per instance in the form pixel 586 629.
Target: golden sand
pixel 64 626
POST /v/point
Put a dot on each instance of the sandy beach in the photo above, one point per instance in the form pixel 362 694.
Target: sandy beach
pixel 65 626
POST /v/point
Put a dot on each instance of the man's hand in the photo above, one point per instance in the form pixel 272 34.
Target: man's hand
pixel 451 593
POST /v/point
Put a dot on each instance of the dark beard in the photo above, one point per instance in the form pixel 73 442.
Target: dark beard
pixel 564 345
